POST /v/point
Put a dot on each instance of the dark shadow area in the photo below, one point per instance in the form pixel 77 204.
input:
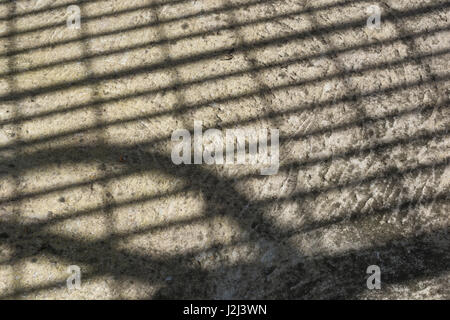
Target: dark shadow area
pixel 30 240
pixel 83 154
pixel 183 108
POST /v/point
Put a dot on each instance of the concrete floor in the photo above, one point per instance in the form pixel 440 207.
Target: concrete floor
pixel 86 176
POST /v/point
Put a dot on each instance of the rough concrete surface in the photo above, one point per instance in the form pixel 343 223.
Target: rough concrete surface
pixel 86 177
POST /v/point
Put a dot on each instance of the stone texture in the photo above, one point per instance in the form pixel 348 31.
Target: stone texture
pixel 86 176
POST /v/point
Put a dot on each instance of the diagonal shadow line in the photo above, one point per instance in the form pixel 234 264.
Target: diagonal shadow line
pixel 413 48
pixel 342 276
pixel 172 169
pixel 345 81
pixel 117 13
pixel 378 146
pixel 362 151
pixel 203 12
pixel 77 2
pixel 11 44
pixel 368 120
pixel 145 45
pixel 297 165
pixel 80 249
pixel 221 76
pixel 206 55
pixel 239 201
pixel 127 10
pixel 283 139
pixel 117 204
pixel 28 159
pixel 38 226
pixel 196 106
pixel 35 230
pixel 353 215
pixel 390 172
pixel 249 58
pixel 250 45
pixel 278 235
pixel 425 248
pixel 100 136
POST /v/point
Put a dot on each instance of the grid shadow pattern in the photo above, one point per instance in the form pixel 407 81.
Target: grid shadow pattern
pixel 85 140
